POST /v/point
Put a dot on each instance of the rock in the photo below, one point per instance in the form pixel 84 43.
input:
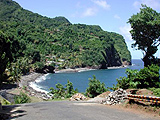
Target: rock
pixel 78 97
pixel 126 63
pixel 32 93
pixel 46 69
pixel 62 98
pixel 116 97
pixel 44 98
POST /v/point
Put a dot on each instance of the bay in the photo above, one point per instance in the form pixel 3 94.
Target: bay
pixel 80 79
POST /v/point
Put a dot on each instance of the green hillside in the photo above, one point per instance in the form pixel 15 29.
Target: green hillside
pixel 58 42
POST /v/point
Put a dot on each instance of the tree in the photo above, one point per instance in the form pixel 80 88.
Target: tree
pixel 147 77
pixel 8 52
pixel 5 54
pixel 40 36
pixel 63 92
pixel 95 87
pixel 69 89
pixel 146 33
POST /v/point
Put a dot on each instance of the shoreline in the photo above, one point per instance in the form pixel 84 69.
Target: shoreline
pixel 35 86
pixel 29 81
pixel 69 70
pixel 118 67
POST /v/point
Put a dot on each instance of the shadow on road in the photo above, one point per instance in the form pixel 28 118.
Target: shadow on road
pixel 11 112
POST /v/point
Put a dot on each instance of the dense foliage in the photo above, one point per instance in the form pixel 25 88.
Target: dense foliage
pixel 41 41
pixel 95 87
pixel 8 47
pixel 156 91
pixel 60 92
pixel 63 92
pixel 78 44
pixel 147 77
pixel 22 98
pixel 146 33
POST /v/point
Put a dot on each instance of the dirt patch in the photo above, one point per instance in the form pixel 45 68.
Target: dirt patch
pixel 147 109
pixel 145 92
pixel 104 95
pixel 140 92
pixel 17 91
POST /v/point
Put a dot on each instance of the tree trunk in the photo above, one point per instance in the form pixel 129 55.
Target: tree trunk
pixel 146 61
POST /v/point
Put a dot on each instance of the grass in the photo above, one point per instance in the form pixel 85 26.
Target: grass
pixel 33 98
pixel 4 101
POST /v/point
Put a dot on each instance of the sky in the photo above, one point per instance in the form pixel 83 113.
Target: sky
pixel 110 15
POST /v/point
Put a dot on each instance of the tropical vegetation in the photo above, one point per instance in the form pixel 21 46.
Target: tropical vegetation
pixel 147 77
pixel 95 87
pixel 146 33
pixel 22 98
pixel 61 92
pixel 29 42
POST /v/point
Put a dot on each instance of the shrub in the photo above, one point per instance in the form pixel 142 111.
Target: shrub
pixel 95 87
pixel 22 98
pixel 147 77
pixel 156 91
pixel 62 92
pixel 128 82
pixel 69 89
pixel 59 92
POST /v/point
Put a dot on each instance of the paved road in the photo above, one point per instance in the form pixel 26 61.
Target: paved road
pixel 66 110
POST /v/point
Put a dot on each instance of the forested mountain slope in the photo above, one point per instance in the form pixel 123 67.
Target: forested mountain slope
pixel 58 42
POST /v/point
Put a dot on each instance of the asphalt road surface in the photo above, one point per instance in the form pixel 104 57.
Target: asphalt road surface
pixel 66 110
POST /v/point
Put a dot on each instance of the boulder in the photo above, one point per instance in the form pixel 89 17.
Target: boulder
pixel 78 97
pixel 46 69
pixel 116 97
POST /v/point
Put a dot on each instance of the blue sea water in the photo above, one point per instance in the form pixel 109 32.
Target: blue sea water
pixel 80 79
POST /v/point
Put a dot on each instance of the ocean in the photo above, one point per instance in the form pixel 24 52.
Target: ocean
pixel 80 79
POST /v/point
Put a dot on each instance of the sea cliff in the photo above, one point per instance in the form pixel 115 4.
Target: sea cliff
pixel 41 40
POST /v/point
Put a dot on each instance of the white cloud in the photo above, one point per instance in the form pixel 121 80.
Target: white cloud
pixel 124 30
pixel 102 3
pixel 78 5
pixel 90 12
pixel 117 17
pixel 155 4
